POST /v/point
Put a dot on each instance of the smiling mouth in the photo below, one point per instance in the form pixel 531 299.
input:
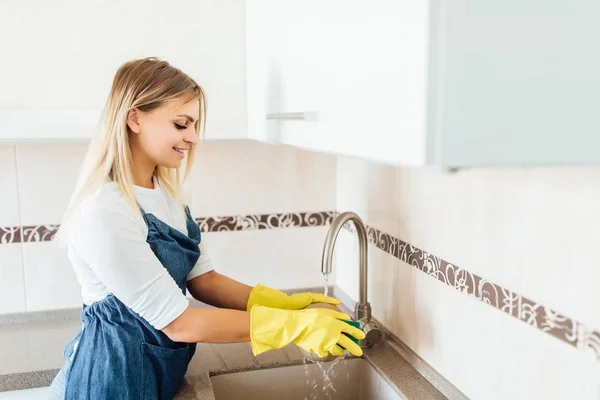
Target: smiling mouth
pixel 182 151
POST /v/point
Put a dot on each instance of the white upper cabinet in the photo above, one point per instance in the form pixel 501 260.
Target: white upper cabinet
pixel 58 59
pixel 450 83
pixel 346 61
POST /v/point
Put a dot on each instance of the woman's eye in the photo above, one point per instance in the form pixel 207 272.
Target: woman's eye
pixel 180 126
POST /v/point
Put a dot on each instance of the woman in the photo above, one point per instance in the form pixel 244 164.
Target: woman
pixel 136 251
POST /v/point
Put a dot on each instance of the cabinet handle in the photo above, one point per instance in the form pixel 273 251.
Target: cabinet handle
pixel 294 116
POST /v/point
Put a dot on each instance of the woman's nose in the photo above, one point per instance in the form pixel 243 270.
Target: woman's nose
pixel 190 137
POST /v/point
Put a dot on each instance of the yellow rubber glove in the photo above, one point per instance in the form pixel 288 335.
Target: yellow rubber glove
pixel 266 296
pixel 317 330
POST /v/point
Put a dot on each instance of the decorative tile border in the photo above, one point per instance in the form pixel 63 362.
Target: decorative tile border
pixel 45 233
pixel 536 315
pixel 265 221
pixel 10 234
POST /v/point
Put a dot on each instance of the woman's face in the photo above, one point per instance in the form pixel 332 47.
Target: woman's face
pixel 165 134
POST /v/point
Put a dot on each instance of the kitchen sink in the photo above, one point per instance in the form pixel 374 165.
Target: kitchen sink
pixel 353 379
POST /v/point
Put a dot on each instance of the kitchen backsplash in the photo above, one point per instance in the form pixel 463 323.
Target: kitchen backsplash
pixel 489 275
pixel 240 192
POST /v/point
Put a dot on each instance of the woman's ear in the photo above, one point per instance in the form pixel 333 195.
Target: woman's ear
pixel 133 120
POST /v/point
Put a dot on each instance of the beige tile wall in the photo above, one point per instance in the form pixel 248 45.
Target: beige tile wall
pixel 534 231
pixel 280 258
pixel 229 178
pixel 12 281
pixel 12 285
pixel 46 176
pixel 247 177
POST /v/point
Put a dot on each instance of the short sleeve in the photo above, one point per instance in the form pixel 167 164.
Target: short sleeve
pixel 203 265
pixel 112 242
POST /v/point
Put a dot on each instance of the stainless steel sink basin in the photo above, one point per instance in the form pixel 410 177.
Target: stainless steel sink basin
pixel 353 379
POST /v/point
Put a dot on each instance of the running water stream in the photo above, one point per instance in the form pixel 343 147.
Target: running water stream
pixel 326 368
pixel 328 371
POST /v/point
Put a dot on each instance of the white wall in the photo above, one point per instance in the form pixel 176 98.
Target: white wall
pixel 63 54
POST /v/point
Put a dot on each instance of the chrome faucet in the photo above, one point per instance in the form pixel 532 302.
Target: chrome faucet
pixel 362 311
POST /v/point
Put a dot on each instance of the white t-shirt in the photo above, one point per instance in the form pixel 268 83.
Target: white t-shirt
pixel 108 250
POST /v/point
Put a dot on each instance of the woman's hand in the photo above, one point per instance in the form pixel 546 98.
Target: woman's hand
pixel 269 297
pixel 317 330
pixel 221 291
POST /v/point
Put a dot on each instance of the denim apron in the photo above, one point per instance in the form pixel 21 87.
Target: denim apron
pixel 116 354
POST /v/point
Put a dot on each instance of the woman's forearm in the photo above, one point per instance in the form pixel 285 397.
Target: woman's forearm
pixel 220 291
pixel 210 326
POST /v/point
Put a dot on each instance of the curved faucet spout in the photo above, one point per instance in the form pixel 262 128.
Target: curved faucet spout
pixel 363 308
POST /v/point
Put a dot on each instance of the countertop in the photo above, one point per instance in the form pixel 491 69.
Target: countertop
pixel 32 353
pixel 32 345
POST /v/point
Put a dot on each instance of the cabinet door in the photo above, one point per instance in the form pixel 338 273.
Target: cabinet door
pixel 361 66
pixel 521 83
pixel 264 41
pixel 280 58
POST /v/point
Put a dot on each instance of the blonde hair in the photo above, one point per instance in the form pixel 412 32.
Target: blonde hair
pixel 144 84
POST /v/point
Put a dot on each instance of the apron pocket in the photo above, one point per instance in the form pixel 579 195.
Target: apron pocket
pixel 163 370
